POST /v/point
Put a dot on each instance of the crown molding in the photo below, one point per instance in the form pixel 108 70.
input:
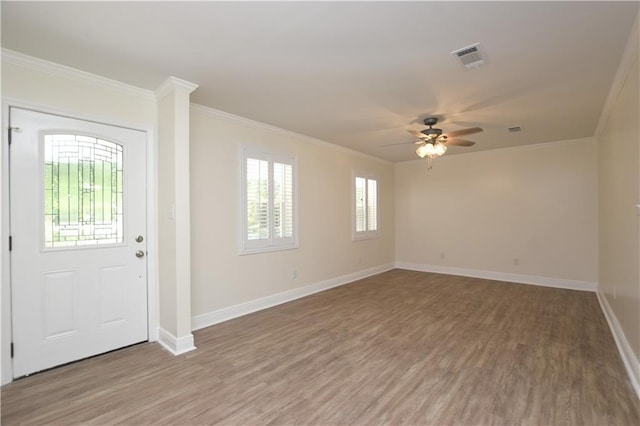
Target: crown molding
pixel 172 84
pixel 58 70
pixel 247 122
pixel 629 56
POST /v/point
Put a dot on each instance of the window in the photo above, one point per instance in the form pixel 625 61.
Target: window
pixel 83 194
pixel 365 207
pixel 268 202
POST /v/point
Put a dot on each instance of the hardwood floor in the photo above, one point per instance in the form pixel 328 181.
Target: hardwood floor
pixel 398 348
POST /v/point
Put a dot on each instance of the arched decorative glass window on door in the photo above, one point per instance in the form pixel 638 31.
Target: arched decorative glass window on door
pixel 83 191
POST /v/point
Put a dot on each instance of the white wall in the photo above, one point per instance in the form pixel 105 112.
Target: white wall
pixel 174 222
pixel 482 211
pixel 619 185
pixel 166 224
pixel 220 277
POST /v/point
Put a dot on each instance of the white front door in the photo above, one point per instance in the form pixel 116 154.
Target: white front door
pixel 78 236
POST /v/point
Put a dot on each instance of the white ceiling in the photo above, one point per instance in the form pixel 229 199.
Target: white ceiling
pixel 358 74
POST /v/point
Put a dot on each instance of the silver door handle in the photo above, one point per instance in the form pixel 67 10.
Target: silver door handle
pixel 139 239
pixel 139 253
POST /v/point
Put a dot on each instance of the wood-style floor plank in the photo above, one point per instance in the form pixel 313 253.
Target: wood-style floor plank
pixel 401 347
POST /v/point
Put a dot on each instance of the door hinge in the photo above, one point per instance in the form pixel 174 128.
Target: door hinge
pixel 11 349
pixel 10 243
pixel 17 129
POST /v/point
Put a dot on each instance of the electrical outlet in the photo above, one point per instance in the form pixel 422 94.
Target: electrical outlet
pixel 359 260
pixel 516 261
pixel 442 255
pixel 294 274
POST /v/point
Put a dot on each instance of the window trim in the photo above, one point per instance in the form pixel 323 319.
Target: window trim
pixel 368 234
pixel 272 156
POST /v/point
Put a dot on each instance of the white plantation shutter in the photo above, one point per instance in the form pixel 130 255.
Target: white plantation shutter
pixel 283 200
pixel 360 206
pixel 257 198
pixel 365 208
pixel 269 202
pixel 372 205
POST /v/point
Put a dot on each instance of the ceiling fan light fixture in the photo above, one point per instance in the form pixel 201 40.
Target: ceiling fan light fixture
pixel 422 150
pixel 432 142
pixel 431 150
pixel 440 149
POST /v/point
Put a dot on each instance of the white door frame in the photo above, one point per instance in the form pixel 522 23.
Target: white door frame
pixel 6 364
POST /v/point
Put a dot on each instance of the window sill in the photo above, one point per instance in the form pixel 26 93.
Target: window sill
pixel 365 237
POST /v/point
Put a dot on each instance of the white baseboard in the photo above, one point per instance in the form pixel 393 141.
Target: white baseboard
pixel 225 314
pixel 501 276
pixel 629 359
pixel 175 345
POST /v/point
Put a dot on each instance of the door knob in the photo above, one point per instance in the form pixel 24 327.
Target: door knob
pixel 139 253
pixel 139 239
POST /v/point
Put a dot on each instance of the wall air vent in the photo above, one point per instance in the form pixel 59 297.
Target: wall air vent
pixel 514 129
pixel 470 56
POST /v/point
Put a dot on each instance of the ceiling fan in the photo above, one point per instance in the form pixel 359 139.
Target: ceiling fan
pixel 433 142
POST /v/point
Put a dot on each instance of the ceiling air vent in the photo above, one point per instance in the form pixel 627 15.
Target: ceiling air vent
pixel 514 129
pixel 470 56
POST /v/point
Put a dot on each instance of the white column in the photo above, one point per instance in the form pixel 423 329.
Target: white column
pixel 174 257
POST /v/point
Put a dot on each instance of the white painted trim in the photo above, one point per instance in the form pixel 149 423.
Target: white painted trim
pixel 501 276
pixel 245 246
pixel 173 84
pixel 6 366
pixel 364 235
pixel 629 56
pixel 152 225
pixel 173 344
pixel 153 283
pixel 246 122
pixel 225 314
pixel 58 70
pixel 629 359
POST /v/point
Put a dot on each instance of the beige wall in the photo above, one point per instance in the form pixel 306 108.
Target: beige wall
pixel 538 204
pixel 480 211
pixel 619 191
pixel 220 277
pixel 78 96
pixel 166 224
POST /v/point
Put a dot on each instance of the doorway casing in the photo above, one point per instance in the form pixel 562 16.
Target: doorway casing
pixel 152 231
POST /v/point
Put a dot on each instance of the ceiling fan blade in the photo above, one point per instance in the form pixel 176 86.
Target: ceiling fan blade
pixel 417 133
pixel 460 142
pixel 464 132
pixel 395 144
